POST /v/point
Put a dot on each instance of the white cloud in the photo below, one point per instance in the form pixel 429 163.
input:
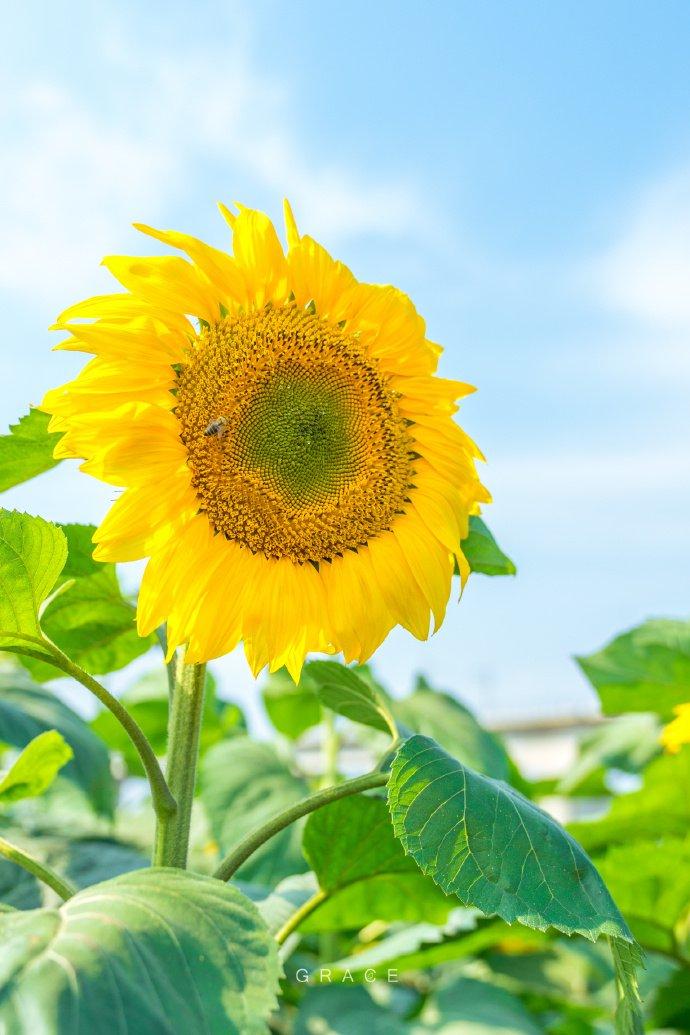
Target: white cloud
pixel 646 272
pixel 80 167
pixel 66 189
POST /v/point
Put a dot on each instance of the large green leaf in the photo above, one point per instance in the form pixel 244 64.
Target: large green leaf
pixel 660 808
pixel 34 770
pixel 651 883
pixel 27 710
pixel 27 450
pixel 362 871
pixel 343 691
pixel 483 553
pixel 91 620
pixel 292 708
pixel 243 784
pixel 152 951
pixel 32 555
pixel 480 839
pixel 644 670
pixel 147 701
pixel 448 722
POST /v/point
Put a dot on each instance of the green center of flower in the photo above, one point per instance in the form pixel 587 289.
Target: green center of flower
pixel 296 430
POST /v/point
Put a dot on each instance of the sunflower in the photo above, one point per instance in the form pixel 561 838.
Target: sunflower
pixel 677 732
pixel 290 464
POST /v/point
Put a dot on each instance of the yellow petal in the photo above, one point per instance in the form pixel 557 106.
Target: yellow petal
pixel 122 308
pixel 431 564
pixel 291 230
pixel 315 276
pixel 143 518
pixel 677 732
pixel 167 281
pixel 391 328
pixel 138 341
pixel 218 266
pixel 260 257
pixel 398 585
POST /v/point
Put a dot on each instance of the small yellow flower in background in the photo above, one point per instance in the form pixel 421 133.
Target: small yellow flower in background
pixel 290 462
pixel 677 732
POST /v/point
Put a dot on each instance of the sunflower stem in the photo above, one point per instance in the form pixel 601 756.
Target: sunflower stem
pixel 38 869
pixel 273 826
pixel 163 801
pixel 184 727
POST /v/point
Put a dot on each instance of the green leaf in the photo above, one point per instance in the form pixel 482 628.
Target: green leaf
pixel 340 1010
pixel 27 710
pixel 447 721
pixel 32 555
pixel 562 970
pixel 89 860
pixel 651 884
pixel 83 860
pixel 278 905
pixel 627 743
pixel 18 889
pixel 362 870
pixel 423 945
pixel 481 840
pixel 660 808
pixel 91 620
pixel 476 1008
pixel 291 708
pixel 36 768
pixel 626 959
pixel 343 691
pixel 152 951
pixel 147 701
pixel 463 1007
pixel 244 783
pixel 483 553
pixel 28 450
pixel 671 1009
pixel 644 670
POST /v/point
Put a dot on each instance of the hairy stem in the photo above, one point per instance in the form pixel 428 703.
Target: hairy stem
pixel 273 826
pixel 163 801
pixel 184 727
pixel 40 870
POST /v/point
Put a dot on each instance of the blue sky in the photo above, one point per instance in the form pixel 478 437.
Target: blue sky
pixel 521 169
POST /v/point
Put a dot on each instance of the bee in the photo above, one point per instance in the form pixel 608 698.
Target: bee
pixel 216 428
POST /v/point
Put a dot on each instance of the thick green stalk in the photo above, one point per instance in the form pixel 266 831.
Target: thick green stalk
pixel 40 870
pixel 184 727
pixel 249 844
